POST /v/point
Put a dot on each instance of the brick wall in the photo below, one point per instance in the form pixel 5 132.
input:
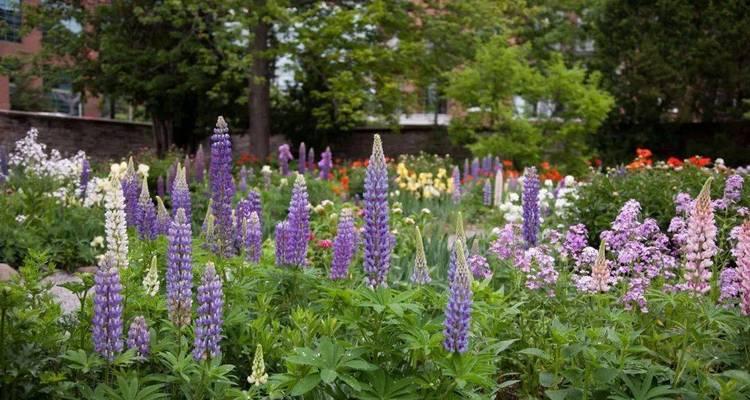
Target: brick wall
pixel 101 139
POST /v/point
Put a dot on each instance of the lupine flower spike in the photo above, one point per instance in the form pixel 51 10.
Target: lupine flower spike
pixel 498 200
pixel 160 191
pixel 377 237
pixel 299 223
pixel 325 164
pixel 458 310
pixel 107 319
pixel 302 157
pixel 311 160
pixel 457 190
pixel 487 193
pixel 222 187
pixel 115 224
pixel 344 245
pixel 421 273
pixel 181 193
pixel 179 270
pixel 701 243
pixel 284 157
pixel 145 220
pixel 130 190
pixel 258 376
pixel 83 183
pixel 139 337
pixel 741 253
pixel 151 280
pixel 530 202
pixel 600 272
pixel 460 237
pixel 162 217
pixel 210 318
pixel 253 238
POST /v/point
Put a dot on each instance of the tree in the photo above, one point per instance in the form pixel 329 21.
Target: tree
pixel 526 110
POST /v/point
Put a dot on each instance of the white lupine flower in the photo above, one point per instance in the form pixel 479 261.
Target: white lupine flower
pixel 498 198
pixel 151 280
pixel 266 170
pixel 143 170
pixel 115 225
pixel 258 376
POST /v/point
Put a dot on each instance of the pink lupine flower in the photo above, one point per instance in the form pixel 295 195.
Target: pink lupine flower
pixel 701 243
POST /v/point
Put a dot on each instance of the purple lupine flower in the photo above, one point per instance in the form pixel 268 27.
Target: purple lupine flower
pixel 256 204
pixel 498 164
pixel 475 167
pixel 160 191
pixel 181 194
pixel 302 158
pixel 243 179
pixel 139 337
pixel 4 167
pixel 487 193
pixel 467 173
pixel 325 164
pixel 179 270
pixel 378 240
pixel 460 237
pixel 311 160
pixel 284 157
pixel 83 182
pixel 701 243
pixel 635 296
pixel 222 187
pixel 282 243
pixel 131 189
pixel 576 239
pixel 458 310
pixel 741 253
pixel 530 202
pixel 509 245
pixel 145 219
pixel 344 245
pixel 486 164
pixel 729 285
pixel 421 273
pixel 162 218
pixel 299 223
pixel 171 176
pixel 540 270
pixel 107 319
pixel 210 309
pixel 456 195
pixel 253 238
pixel 200 164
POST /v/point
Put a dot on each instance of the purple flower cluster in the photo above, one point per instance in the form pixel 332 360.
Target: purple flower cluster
pixel 378 239
pixel 107 319
pixel 741 253
pixel 456 195
pixel 139 337
pixel 479 266
pixel 131 190
pixel 530 202
pixel 282 239
pixel 253 238
pixel 540 270
pixel 83 181
pixel 160 191
pixel 509 245
pixel 345 245
pixel 284 157
pixel 701 243
pixel 732 192
pixel 162 218
pixel 298 228
pixel 487 193
pixel 145 218
pixel 458 310
pixel 179 270
pixel 325 164
pixel 475 167
pixel 171 176
pixel 222 187
pixel 729 285
pixel 576 239
pixel 209 320
pixel 302 157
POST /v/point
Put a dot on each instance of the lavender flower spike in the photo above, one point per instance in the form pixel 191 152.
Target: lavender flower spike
pixel 302 157
pixel 460 237
pixel 282 240
pixel 130 189
pixel 209 321
pixel 299 223
pixel 284 156
pixel 325 164
pixel 222 187
pixel 487 193
pixel 162 217
pixel 530 202
pixel 179 270
pixel 421 273
pixel 741 253
pixel 253 238
pixel 145 220
pixel 181 193
pixel 84 178
pixel 378 239
pixel 456 195
pixel 311 160
pixel 701 243
pixel 458 310
pixel 139 337
pixel 160 191
pixel 107 319
pixel 344 245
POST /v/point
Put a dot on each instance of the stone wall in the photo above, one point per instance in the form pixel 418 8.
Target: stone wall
pixel 101 139
pixel 410 140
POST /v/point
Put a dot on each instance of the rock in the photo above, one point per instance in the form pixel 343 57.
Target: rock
pixel 7 272
pixel 60 277
pixel 90 270
pixel 64 297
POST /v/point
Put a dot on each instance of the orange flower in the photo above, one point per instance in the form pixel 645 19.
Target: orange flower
pixel 246 158
pixel 552 174
pixel 699 161
pixel 344 182
pixel 507 163
pixel 643 153
pixel 544 165
pixel 674 162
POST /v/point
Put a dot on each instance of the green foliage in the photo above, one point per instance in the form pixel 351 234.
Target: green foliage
pixel 488 87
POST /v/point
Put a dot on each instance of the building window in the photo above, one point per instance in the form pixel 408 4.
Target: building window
pixel 10 20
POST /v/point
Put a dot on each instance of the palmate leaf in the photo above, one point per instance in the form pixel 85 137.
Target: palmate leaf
pixel 383 299
pixel 129 388
pixel 383 387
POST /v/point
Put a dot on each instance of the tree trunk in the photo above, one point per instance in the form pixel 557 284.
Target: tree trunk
pixel 163 132
pixel 260 93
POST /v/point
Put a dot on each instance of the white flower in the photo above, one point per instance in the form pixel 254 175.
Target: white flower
pixel 20 218
pixel 258 375
pixel 266 170
pixel 548 183
pixel 409 221
pixel 151 280
pixel 397 211
pixel 97 242
pixel 319 209
pixel 426 211
pixel 143 170
pixel 283 182
pixel 513 197
pixel 569 181
pixel 326 203
pixel 115 225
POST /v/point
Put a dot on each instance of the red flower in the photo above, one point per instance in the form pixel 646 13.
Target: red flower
pixel 643 153
pixel 699 161
pixel 325 243
pixel 507 163
pixel 674 162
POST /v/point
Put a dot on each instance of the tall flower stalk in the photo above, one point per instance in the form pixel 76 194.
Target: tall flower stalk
pixel 701 243
pixel 258 375
pixel 487 193
pixel 299 223
pixel 222 187
pixel 458 310
pixel 115 224
pixel 146 215
pixel 498 199
pixel 378 239
pixel 530 204
pixel 107 319
pixel 302 158
pixel 162 217
pixel 139 337
pixel 209 321
pixel 131 190
pixel 180 194
pixel 282 239
pixel 311 160
pixel 456 195
pixel 151 280
pixel 180 270
pixel 601 275
pixel 344 245
pixel 253 238
pixel 325 164
pixel 421 273
pixel 83 182
pixel 741 253
pixel 284 157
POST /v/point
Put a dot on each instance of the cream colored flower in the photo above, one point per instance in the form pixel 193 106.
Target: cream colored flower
pixel 143 170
